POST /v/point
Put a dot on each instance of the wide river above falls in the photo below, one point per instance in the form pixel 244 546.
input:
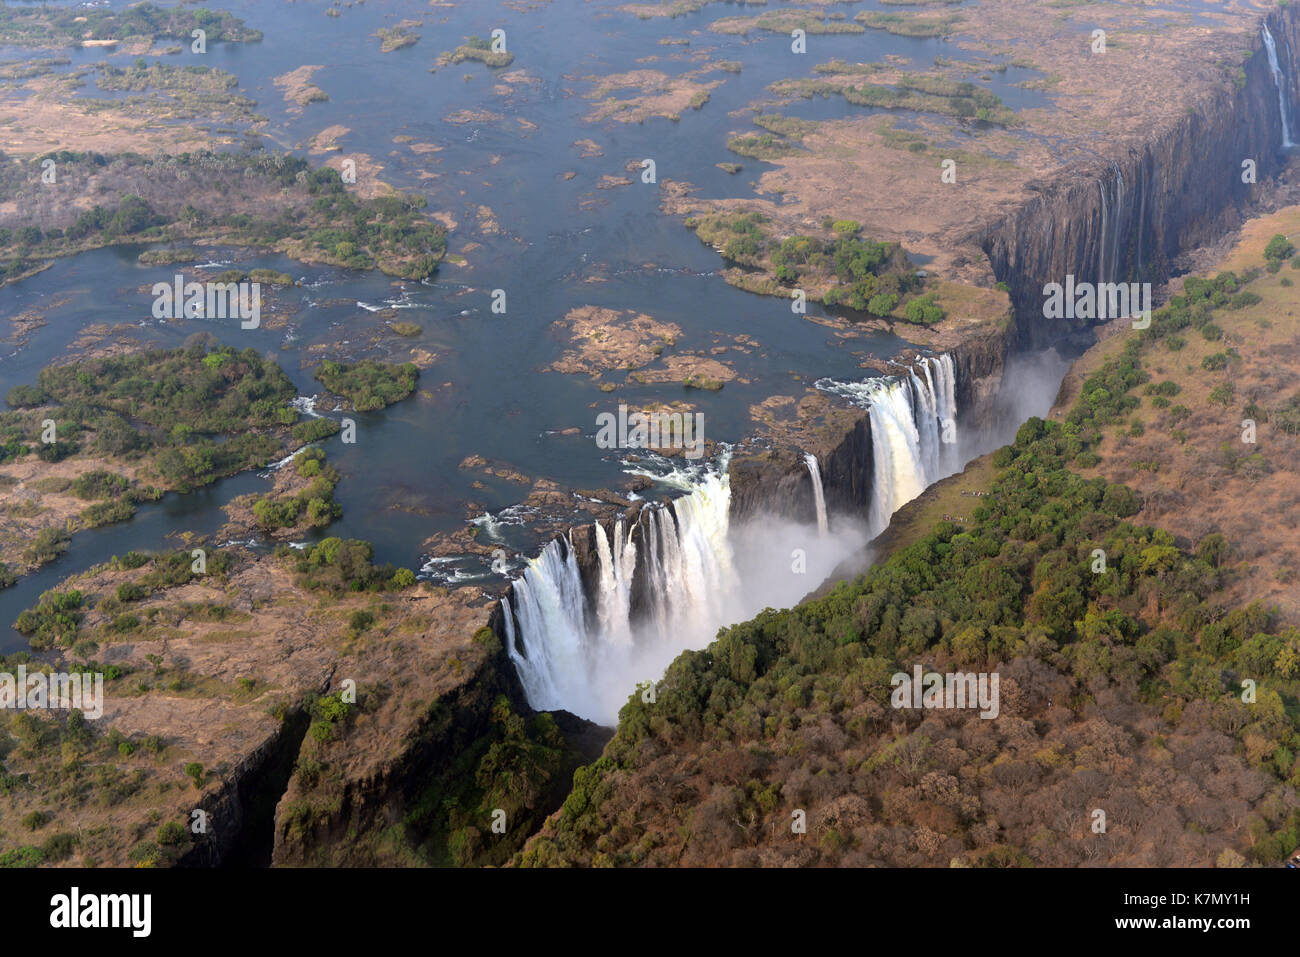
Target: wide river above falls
pixel 497 162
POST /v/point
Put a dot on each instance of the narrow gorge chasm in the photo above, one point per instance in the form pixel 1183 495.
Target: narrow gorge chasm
pixel 603 609
pixel 710 433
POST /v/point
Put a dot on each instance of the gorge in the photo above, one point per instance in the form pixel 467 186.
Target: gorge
pixel 605 608
pixel 600 614
pixel 547 583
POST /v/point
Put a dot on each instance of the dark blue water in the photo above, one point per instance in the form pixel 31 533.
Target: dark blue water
pixel 485 393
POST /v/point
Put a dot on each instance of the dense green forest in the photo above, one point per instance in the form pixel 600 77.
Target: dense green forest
pixel 519 766
pixel 368 385
pixel 1128 686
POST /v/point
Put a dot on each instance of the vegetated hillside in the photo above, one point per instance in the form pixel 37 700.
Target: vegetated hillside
pixel 1121 691
pixel 1213 440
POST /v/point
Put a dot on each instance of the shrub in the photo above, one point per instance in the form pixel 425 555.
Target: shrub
pixel 923 310
pixel 106 513
pixel 146 854
pixel 58 847
pixel 25 396
pixel 36 820
pixel 22 857
pixel 172 833
pixel 53 621
pixel 1279 248
pixel 882 304
pixel 99 484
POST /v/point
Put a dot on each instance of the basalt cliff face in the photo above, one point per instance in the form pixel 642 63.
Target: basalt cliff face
pixel 1128 216
pixel 377 796
pixel 1125 218
pixel 776 482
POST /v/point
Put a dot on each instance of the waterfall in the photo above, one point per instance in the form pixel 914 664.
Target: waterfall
pixel 549 601
pixel 1101 252
pixel 1142 213
pixel 1279 80
pixel 588 651
pixel 819 496
pixel 1113 220
pixel 913 432
pixel 587 659
pixel 1116 212
pixel 617 565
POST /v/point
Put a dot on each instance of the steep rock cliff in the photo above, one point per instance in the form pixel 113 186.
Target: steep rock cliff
pixel 1129 214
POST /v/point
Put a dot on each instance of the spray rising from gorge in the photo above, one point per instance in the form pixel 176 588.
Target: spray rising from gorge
pixel 666 578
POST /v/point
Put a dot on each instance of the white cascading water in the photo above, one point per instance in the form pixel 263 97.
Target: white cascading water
pixel 1112 223
pixel 614 602
pixel 819 495
pixel 1119 208
pixel 1279 80
pixel 1101 253
pixel 549 600
pixel 913 433
pixel 589 660
pixel 588 654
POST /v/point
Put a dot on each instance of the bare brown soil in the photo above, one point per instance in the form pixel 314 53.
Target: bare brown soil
pixel 213 691
pixel 1196 474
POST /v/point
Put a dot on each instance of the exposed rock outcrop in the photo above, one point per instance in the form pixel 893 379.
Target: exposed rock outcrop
pixel 1128 216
